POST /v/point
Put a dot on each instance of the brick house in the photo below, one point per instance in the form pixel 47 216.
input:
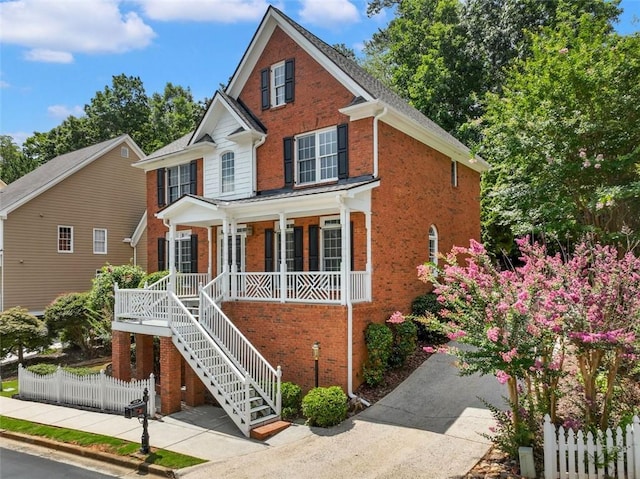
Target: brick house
pixel 301 205
pixel 58 224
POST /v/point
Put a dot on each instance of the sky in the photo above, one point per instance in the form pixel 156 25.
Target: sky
pixel 56 54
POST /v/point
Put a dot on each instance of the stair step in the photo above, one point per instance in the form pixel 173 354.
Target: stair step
pixel 257 409
pixel 267 430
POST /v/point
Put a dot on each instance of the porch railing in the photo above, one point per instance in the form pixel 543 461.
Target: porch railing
pixel 140 304
pixel 185 285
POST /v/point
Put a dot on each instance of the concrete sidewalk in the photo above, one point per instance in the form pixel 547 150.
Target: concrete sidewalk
pixel 428 427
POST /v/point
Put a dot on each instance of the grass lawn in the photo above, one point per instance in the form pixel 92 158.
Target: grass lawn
pixel 161 457
pixel 9 388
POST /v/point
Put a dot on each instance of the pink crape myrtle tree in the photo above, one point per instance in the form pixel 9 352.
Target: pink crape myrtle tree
pixel 523 321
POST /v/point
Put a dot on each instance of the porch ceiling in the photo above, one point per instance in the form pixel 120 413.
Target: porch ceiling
pixel 199 211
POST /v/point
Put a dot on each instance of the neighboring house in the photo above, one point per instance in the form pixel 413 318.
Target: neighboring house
pixel 60 223
pixel 302 203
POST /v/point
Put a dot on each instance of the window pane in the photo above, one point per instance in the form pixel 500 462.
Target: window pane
pixel 65 238
pixel 228 167
pixel 183 254
pixel 278 84
pixel 289 248
pixel 328 152
pixel 331 249
pixel 306 158
pixel 99 241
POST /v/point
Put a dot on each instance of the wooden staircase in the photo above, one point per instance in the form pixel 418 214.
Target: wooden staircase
pixel 247 400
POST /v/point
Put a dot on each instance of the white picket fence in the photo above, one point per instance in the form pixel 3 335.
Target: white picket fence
pixel 609 455
pixel 97 391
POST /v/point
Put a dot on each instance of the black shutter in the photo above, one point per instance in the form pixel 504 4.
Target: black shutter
pixel 194 253
pixel 343 151
pixel 314 248
pixel 268 250
pixel 162 254
pixel 264 87
pixel 288 161
pixel 297 248
pixel 289 80
pixel 351 246
pixel 161 175
pixel 193 180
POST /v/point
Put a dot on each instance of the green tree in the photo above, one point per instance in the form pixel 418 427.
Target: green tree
pixel 20 330
pixel 101 296
pixel 70 318
pixel 13 163
pixel 564 138
pixel 173 114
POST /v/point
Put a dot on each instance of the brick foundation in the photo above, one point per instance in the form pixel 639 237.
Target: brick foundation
pixel 170 376
pixel 121 355
pixel 194 389
pixel 144 356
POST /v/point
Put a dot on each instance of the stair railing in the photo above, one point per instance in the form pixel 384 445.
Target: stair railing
pixel 265 378
pixel 193 341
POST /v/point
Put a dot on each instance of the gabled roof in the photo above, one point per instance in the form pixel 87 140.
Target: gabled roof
pixel 54 171
pixel 365 87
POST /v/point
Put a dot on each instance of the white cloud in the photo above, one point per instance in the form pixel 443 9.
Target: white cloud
pixel 4 84
pixel 219 11
pixel 329 13
pixel 53 28
pixel 62 111
pixel 48 56
pixel 19 137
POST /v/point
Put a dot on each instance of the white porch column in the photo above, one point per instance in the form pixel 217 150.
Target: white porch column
pixel 283 258
pixel 225 255
pixel 172 257
pixel 369 266
pixel 345 265
pixel 209 240
pixel 234 256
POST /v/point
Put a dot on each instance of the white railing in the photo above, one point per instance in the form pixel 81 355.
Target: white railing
pixel 97 391
pixel 360 286
pixel 161 284
pixel 187 285
pixel 255 286
pixel 568 455
pixel 202 352
pixel 140 304
pixel 264 377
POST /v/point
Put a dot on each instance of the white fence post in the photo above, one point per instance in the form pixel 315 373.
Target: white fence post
pixel 59 386
pixel 152 395
pixel 636 446
pixel 550 447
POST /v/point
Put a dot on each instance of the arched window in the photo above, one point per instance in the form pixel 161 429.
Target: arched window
pixel 433 245
pixel 227 176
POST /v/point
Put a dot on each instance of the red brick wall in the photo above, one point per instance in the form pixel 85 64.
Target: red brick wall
pixel 318 96
pixel 170 376
pixel 121 355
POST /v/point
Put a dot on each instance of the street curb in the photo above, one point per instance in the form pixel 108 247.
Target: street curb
pixel 137 464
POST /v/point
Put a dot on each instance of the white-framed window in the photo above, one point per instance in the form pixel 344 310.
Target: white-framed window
pixel 331 247
pixel 227 174
pixel 242 231
pixel 277 84
pixel 433 245
pixel 454 173
pixel 124 152
pixel 289 245
pixel 178 181
pixel 99 241
pixel 65 239
pixel 317 156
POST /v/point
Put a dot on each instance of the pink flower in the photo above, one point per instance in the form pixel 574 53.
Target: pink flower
pixel 563 51
pixel 396 318
pixel 423 272
pixel 493 334
pixel 429 349
pixel 509 355
pixel 502 377
pixel 454 335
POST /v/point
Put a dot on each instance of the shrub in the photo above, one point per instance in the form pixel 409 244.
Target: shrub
pixel 405 340
pixel 101 296
pixel 45 368
pixel 291 400
pixel 379 339
pixel 425 312
pixel 325 407
pixel 151 278
pixel 21 331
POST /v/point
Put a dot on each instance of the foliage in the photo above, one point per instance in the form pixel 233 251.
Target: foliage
pixel 443 56
pixel 44 369
pixel 20 330
pixel 508 435
pixel 425 313
pixel 102 297
pixel 522 321
pixel 70 317
pixel 152 278
pixel 405 340
pixel 9 388
pixel 109 444
pixel 325 407
pixel 564 139
pixel 291 400
pixel 379 340
pixel 13 163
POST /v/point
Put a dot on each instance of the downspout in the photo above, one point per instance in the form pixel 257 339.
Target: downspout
pixel 375 140
pixel 257 144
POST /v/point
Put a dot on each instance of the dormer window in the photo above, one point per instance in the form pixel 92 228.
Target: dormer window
pixel 277 84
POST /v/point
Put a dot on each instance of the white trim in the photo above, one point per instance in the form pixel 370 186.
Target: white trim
pixel 70 241
pixel 325 227
pixel 241 232
pixel 433 241
pixel 233 170
pixel 105 241
pixel 139 231
pixel 317 166
pixel 273 86
pixel 454 173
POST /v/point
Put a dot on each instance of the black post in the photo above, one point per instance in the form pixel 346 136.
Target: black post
pixel 316 357
pixel 144 449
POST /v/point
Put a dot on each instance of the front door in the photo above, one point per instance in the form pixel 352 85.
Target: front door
pixel 241 236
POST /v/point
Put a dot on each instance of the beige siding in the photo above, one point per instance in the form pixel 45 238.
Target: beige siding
pixel 108 193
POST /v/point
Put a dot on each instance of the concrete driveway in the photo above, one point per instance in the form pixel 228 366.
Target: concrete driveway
pixel 428 427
